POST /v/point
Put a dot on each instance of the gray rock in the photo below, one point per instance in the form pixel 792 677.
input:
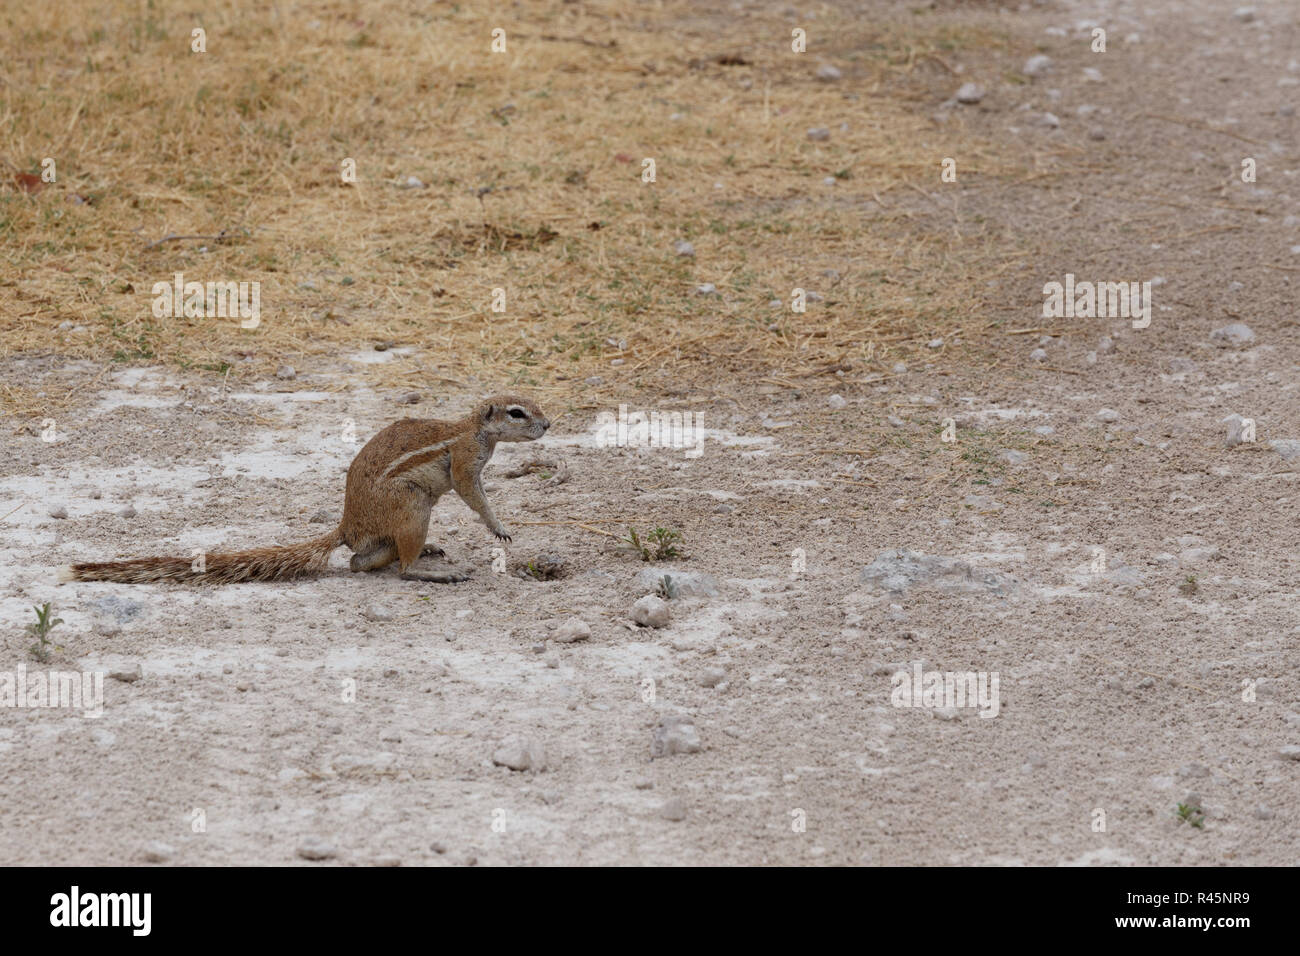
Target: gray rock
pixel 120 609
pixel 836 402
pixel 686 584
pixel 712 677
pixel 708 288
pixel 1050 120
pixel 128 512
pixel 574 629
pixel 286 373
pixel 1288 448
pixel 377 613
pixel 411 183
pixel 674 809
pixel 651 611
pixel 684 249
pixel 1013 457
pixel 128 674
pixel 158 852
pixel 314 848
pixel 819 134
pixel 969 94
pixel 1038 355
pixel 828 74
pixel 1290 752
pixel 58 511
pixel 1108 415
pixel 1039 65
pixel 519 753
pixel 898 570
pixel 1238 335
pixel 674 735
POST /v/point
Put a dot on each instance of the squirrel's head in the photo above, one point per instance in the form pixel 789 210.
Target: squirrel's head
pixel 512 418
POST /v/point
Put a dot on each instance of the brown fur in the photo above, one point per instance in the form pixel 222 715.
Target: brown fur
pixel 392 487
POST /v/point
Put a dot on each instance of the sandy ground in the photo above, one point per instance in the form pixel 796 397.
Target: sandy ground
pixel 1165 677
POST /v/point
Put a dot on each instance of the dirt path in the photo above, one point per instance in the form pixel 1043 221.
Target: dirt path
pixel 1088 538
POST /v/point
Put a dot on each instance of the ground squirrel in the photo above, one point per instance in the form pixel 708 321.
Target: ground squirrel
pixel 393 484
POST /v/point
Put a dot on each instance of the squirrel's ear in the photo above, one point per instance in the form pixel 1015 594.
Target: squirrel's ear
pixel 491 411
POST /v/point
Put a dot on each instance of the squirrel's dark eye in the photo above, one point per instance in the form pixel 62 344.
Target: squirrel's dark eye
pixel 517 413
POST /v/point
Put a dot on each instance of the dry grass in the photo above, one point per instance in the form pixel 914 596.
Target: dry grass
pixel 247 140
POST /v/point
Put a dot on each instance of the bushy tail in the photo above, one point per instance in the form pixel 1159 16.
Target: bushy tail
pixel 259 564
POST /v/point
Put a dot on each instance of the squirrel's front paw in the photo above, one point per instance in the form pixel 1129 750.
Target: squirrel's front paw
pixel 503 534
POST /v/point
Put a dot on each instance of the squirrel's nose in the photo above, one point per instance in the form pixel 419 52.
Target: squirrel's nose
pixel 546 423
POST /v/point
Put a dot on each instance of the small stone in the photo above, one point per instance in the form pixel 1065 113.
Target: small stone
pixel 1039 65
pixel 1096 133
pixel 827 73
pixel 836 401
pixel 1050 120
pixel 969 94
pixel 388 859
pixel 377 613
pixel 1108 415
pixel 899 368
pixel 712 677
pixel 819 134
pixel 572 630
pixel 1013 457
pixel 108 628
pixel 1106 344
pixel 1288 448
pixel 411 183
pixel 59 511
pixel 643 783
pixel 935 343
pixel 128 674
pixel 708 288
pixel 410 398
pixel 1263 813
pixel 651 611
pixel 158 852
pixel 314 848
pixel 320 517
pixel 1244 14
pixel 674 809
pixel 674 735
pixel 286 373
pixel 128 512
pixel 684 249
pixel 1146 683
pixel 519 753
pixel 1290 752
pixel 1237 334
pixel 1038 355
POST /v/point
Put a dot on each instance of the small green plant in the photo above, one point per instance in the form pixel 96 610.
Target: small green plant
pixel 1189 585
pixel 41 631
pixel 1190 813
pixel 659 545
pixel 667 589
